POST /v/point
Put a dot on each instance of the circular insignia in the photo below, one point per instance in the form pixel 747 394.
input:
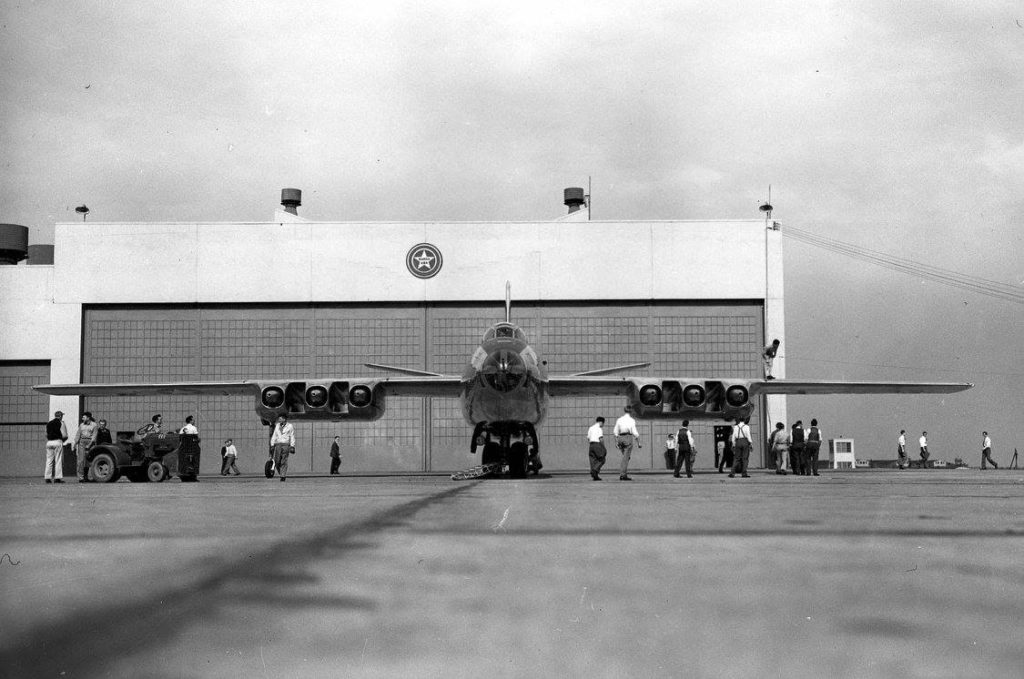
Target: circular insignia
pixel 423 260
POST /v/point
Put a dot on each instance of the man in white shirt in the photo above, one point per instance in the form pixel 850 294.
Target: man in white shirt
pixel 923 442
pixel 282 444
pixel 230 453
pixel 769 354
pixel 190 426
pixel 986 451
pixel 625 436
pixel 903 461
pixel 740 448
pixel 597 452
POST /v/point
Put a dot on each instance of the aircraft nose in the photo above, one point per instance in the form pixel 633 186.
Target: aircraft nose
pixel 504 370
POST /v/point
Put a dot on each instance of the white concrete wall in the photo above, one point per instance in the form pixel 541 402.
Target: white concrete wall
pixel 294 260
pixel 35 328
pixel 319 262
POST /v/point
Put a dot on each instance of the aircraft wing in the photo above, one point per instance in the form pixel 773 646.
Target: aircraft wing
pixel 148 388
pixel 793 387
pixel 721 397
pixel 334 398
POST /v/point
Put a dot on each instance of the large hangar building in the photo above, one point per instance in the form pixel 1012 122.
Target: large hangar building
pixel 296 299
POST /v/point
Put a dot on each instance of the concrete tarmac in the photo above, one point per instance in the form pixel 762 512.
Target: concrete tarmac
pixel 866 573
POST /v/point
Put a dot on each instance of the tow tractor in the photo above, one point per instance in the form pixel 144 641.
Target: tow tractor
pixel 141 456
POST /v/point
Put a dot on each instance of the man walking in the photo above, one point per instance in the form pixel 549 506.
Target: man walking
pixel 596 450
pixel 335 455
pixel 230 454
pixel 986 451
pixel 923 443
pixel 625 435
pixel 685 454
pixel 902 460
pixel 282 445
pixel 812 447
pixel 740 449
pixel 56 435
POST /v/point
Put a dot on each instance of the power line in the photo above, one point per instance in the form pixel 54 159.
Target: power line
pixel 1011 293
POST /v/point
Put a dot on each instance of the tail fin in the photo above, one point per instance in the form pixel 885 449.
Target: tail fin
pixel 508 301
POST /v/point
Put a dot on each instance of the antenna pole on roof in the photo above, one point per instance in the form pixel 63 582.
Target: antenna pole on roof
pixel 508 301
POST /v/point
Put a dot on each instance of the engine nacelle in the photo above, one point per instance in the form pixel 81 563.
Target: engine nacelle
pixel 695 399
pixel 320 399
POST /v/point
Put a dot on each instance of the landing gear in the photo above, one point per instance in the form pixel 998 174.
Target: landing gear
pixel 506 447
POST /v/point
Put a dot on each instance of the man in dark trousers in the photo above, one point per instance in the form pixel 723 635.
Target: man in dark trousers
pixel 796 450
pixel 812 447
pixel 684 439
pixel 596 450
pixel 740 448
pixel 335 455
pixel 986 451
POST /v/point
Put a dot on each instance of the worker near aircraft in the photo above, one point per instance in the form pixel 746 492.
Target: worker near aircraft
pixel 596 450
pixel 282 445
pixel 740 448
pixel 902 460
pixel 986 451
pixel 768 355
pixel 85 439
pixel 813 445
pixel 625 436
pixel 923 443
pixel 686 450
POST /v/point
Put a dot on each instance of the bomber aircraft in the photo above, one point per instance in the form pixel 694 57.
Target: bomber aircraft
pixel 504 392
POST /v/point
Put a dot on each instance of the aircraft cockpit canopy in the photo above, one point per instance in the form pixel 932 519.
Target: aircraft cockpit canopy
pixel 504 331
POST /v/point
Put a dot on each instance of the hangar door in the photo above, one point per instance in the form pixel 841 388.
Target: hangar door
pixel 169 343
pixel 23 417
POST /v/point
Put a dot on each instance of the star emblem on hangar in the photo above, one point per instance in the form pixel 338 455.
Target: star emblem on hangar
pixel 423 260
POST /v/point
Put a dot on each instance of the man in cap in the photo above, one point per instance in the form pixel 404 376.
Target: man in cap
pixel 56 435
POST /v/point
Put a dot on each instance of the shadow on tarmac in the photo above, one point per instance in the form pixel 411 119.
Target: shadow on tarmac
pixel 109 633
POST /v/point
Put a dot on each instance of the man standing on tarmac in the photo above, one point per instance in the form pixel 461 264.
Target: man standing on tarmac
pixel 923 442
pixel 986 451
pixel 85 439
pixel 597 452
pixel 796 450
pixel 56 435
pixel 282 445
pixel 740 448
pixel 685 453
pixel 625 435
pixel 813 445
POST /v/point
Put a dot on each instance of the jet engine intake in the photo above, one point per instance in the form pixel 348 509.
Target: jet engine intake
pixel 321 399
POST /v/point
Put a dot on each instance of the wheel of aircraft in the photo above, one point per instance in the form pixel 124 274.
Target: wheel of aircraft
pixel 517 460
pixel 104 468
pixel 491 453
pixel 156 471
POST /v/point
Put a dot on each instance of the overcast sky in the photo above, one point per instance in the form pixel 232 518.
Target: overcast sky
pixel 891 126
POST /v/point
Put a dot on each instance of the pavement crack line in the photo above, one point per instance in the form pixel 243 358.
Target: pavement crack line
pixel 99 632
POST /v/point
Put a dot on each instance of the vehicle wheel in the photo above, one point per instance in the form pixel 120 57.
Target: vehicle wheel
pixel 491 453
pixel 156 471
pixel 517 460
pixel 104 468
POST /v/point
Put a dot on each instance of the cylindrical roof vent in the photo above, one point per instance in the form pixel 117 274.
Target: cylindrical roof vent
pixel 574 198
pixel 291 199
pixel 40 253
pixel 13 243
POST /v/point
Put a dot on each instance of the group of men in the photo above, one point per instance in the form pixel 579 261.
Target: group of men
pixel 88 435
pixel 796 451
pixel 626 436
pixel 903 460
